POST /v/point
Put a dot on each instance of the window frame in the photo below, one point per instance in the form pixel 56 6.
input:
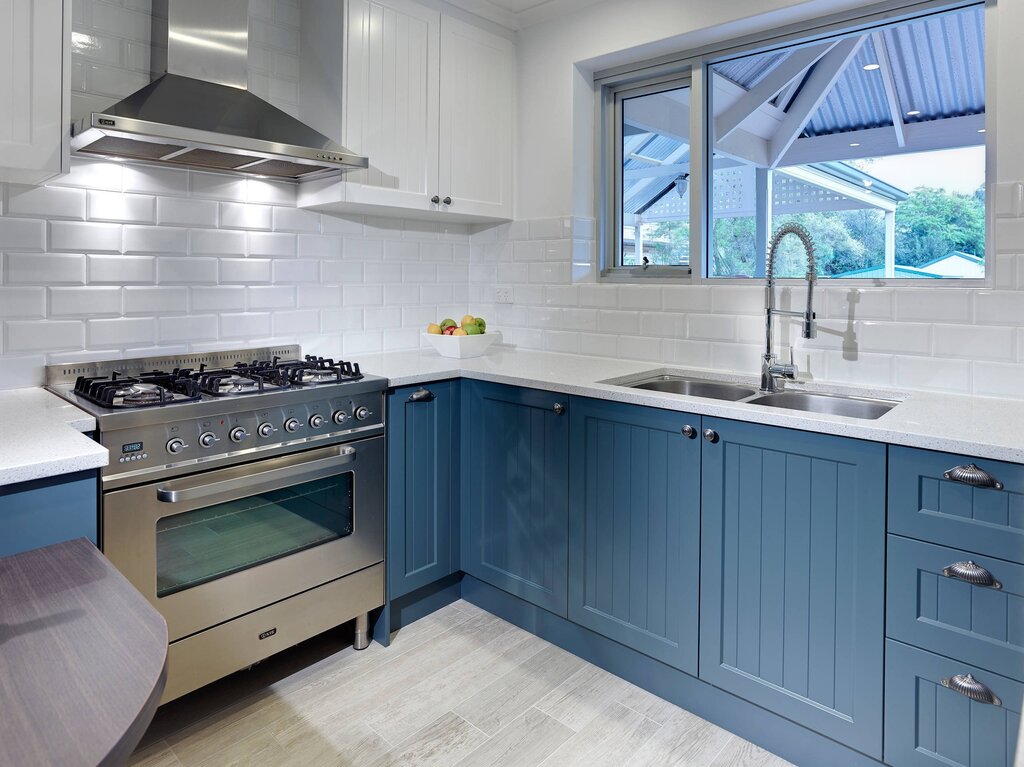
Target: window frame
pixel 696 65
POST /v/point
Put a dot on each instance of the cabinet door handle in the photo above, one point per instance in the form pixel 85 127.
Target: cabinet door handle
pixel 711 435
pixel 559 408
pixel 969 687
pixel 447 200
pixel 421 395
pixel 436 199
pixel 973 475
pixel 689 432
pixel 972 573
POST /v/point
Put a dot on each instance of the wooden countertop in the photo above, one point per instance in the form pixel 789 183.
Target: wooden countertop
pixel 83 659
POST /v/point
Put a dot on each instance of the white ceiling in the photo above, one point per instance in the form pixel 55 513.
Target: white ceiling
pixel 517 14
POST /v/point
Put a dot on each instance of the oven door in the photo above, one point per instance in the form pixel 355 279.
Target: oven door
pixel 213 546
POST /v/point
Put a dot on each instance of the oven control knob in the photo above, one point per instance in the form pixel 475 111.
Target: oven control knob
pixel 175 446
pixel 265 429
pixel 316 421
pixel 340 416
pixel 362 413
pixel 207 438
pixel 238 433
pixel 292 424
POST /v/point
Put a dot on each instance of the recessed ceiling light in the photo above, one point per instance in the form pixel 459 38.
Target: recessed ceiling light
pixel 871 67
pixel 981 130
pixel 868 182
pixel 913 112
pixel 855 144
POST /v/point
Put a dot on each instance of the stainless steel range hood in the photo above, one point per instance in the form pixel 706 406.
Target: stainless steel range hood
pixel 199 113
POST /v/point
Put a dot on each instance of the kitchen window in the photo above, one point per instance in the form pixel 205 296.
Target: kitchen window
pixel 872 136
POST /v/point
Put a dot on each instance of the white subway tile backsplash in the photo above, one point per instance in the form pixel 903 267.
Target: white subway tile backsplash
pixel 909 338
pixel 44 269
pixel 270 192
pixel 319 246
pixel 245 271
pixel 362 295
pixel 120 208
pixel 187 270
pixel 149 300
pixel 147 179
pixel 237 215
pixel 216 242
pixel 122 331
pixel 972 342
pixel 270 297
pixel 181 211
pixel 195 327
pixel 23 234
pixel 711 327
pixel 940 305
pixel 295 220
pixel 217 299
pixel 380 271
pixel 121 270
pixel 296 322
pixel 245 325
pixel 297 270
pixel 80 237
pixel 351 226
pixel 640 297
pixel 33 336
pixel 995 379
pixel 341 271
pixel 934 374
pixel 272 244
pixel 341 320
pixel 85 302
pixel 22 303
pixel 1003 307
pixel 217 186
pixel 45 202
pixel 857 303
pixel 313 296
pixel 363 250
pixel 155 239
pixel 737 300
pixel 94 174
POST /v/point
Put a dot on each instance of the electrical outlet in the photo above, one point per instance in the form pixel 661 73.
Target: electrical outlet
pixel 503 295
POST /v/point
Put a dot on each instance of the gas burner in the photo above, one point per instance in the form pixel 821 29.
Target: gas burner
pixel 241 379
pixel 315 371
pixel 124 392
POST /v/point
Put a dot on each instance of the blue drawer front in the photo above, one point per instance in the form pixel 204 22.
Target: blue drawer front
pixel 979 625
pixel 925 505
pixel 928 725
pixel 45 511
pixel 634 528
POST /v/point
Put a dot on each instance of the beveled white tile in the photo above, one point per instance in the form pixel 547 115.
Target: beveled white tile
pixel 35 336
pixel 121 208
pixel 237 215
pixel 122 331
pixel 187 270
pixel 180 211
pixel 152 300
pixel 121 270
pixel 271 244
pixel 84 302
pixel 245 325
pixel 23 303
pixel 76 236
pixel 154 239
pixel 44 269
pixel 45 202
pixel 245 271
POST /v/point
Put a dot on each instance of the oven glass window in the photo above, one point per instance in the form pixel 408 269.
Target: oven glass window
pixel 208 543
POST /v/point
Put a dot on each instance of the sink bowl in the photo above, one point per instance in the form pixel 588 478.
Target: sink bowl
pixel 694 387
pixel 832 404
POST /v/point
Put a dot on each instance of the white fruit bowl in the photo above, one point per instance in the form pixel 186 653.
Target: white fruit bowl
pixel 461 347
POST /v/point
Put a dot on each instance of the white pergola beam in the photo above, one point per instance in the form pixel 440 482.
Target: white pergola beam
pixel 889 84
pixel 817 86
pixel 950 133
pixel 670 169
pixel 790 69
pixel 839 186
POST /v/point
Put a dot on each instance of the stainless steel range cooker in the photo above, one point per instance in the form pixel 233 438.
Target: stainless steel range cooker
pixel 244 497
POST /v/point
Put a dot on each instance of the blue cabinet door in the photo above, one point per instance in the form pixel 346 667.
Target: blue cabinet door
pixel 422 463
pixel 930 724
pixel 44 511
pixel 515 491
pixel 634 528
pixel 792 578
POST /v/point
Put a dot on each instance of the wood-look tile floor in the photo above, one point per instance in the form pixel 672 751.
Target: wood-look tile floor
pixel 459 687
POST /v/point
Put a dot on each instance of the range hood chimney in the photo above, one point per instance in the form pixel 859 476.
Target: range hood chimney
pixel 198 113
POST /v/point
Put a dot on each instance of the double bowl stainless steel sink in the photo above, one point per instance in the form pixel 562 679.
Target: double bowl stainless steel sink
pixel 829 404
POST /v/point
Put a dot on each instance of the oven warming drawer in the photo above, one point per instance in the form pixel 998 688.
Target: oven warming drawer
pixel 209 655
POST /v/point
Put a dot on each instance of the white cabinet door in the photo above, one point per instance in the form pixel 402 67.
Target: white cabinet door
pixel 477 114
pixel 33 95
pixel 391 102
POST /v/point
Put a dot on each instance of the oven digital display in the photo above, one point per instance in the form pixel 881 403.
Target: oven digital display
pixel 131 447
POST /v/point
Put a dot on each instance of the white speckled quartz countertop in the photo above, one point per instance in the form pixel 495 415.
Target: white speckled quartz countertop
pixel 973 426
pixel 41 436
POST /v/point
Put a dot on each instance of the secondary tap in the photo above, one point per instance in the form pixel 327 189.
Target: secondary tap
pixel 771 369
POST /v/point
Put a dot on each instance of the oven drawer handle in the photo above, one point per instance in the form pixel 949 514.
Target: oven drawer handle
pixel 260 481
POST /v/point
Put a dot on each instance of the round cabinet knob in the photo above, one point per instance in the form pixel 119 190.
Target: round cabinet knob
pixel 689 432
pixel 559 408
pixel 340 417
pixel 316 421
pixel 292 424
pixel 436 199
pixel 175 446
pixel 264 429
pixel 238 433
pixel 711 435
pixel 207 438
pixel 447 200
pixel 362 413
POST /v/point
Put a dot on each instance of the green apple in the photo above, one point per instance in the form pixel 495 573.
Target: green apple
pixel 482 323
pixel 447 323
pixel 472 329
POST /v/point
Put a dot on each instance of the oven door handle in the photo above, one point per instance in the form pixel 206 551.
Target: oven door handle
pixel 184 490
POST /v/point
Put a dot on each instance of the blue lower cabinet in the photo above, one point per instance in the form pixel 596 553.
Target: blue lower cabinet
pixel 515 483
pixel 423 460
pixel 44 511
pixel 634 528
pixel 793 575
pixel 930 722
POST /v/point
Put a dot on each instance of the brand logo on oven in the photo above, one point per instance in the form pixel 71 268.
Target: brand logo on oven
pixel 268 633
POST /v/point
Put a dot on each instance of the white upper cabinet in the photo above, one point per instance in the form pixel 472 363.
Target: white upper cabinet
pixel 34 91
pixel 430 100
pixel 477 111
